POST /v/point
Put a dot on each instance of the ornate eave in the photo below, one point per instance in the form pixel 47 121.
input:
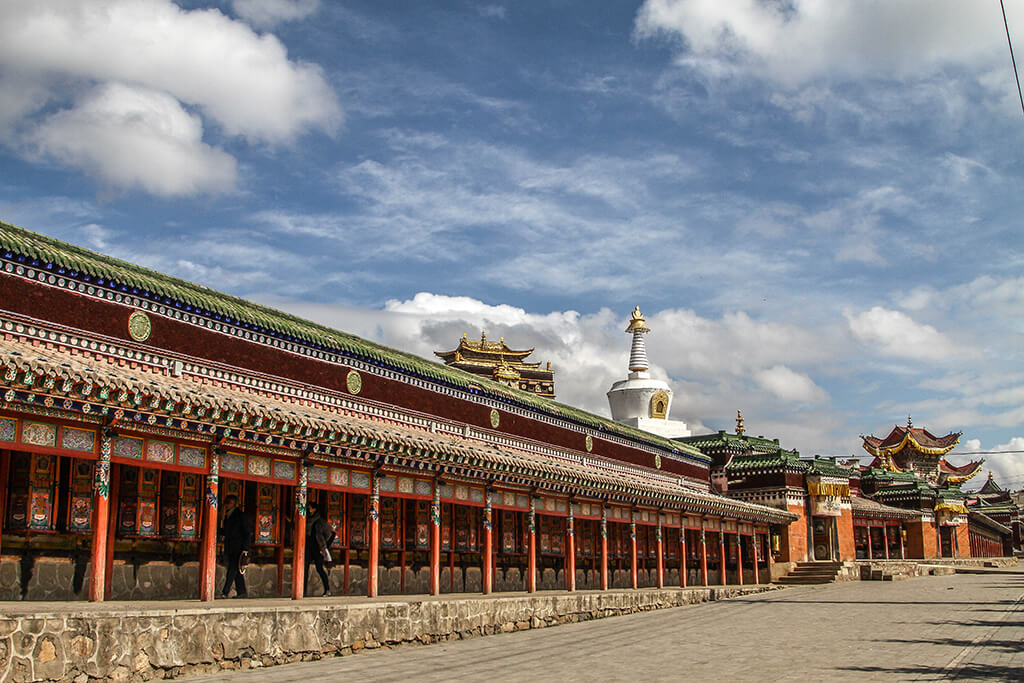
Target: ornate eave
pixel 142 395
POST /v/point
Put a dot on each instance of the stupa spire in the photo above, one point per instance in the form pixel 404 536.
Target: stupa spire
pixel 638 353
pixel 740 430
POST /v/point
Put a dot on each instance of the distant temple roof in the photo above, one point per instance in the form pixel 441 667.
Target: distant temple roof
pixel 495 360
pixel 920 439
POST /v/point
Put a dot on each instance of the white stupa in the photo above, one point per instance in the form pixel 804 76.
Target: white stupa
pixel 640 401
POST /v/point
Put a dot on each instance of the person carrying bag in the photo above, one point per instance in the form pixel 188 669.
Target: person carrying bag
pixel 319 537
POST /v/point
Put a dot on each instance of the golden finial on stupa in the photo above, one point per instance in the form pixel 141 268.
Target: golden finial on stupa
pixel 910 422
pixel 739 423
pixel 637 322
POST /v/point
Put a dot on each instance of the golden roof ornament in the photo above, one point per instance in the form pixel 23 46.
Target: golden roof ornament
pixel 637 322
pixel 740 431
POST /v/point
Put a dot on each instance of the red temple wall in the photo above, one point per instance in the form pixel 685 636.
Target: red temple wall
pixel 111 319
pixel 963 540
pixel 844 532
pixel 794 540
pixel 921 542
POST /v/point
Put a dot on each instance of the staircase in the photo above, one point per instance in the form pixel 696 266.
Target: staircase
pixel 811 572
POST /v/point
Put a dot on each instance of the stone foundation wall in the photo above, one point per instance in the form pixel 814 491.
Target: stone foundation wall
pixel 66 579
pixel 119 642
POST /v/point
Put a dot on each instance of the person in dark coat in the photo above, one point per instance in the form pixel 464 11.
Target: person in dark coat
pixel 236 532
pixel 319 536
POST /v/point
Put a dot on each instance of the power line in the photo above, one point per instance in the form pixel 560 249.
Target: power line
pixel 1012 59
pixel 983 452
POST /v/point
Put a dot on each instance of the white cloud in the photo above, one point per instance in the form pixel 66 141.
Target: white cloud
pixel 268 13
pixel 133 137
pixel 793 43
pixel 894 333
pixel 1007 467
pixel 492 11
pixel 789 385
pixel 207 63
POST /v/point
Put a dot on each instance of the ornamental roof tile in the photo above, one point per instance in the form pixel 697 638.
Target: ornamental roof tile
pixel 865 508
pixel 18 244
pixel 922 439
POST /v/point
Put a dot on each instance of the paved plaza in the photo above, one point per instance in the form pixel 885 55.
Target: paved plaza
pixel 963 627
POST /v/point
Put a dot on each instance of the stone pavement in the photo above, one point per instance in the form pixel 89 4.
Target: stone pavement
pixel 963 627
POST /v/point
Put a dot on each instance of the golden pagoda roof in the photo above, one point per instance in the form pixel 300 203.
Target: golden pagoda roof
pixel 919 439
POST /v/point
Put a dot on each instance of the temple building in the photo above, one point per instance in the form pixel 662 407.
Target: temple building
pixel 495 360
pixel 992 508
pixel 132 403
pixel 641 401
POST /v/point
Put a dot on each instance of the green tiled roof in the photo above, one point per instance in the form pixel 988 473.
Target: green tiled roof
pixel 158 286
pixel 829 468
pixel 724 441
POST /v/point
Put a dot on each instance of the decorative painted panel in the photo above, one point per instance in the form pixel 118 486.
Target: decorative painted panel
pixel 423 488
pixel 405 485
pixel 339 477
pixel 190 456
pixel 522 500
pixel 232 462
pixel 508 531
pixel 316 474
pixel 126 447
pixel 561 505
pixel 422 540
pixel 389 521
pixel 360 480
pixel 508 498
pixel 188 505
pixel 284 469
pixel 334 510
pixel 80 500
pixel 549 504
pixel 446 527
pixel 8 429
pixel 266 510
pixel 258 465
pixel 461 492
pixel 447 491
pixel 160 451
pixel 358 509
pixel 39 434
pixel 476 495
pixel 77 439
pixel 387 483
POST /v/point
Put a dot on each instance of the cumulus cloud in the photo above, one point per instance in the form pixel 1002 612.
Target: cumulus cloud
pixel 895 333
pixel 1006 465
pixel 134 137
pixel 789 385
pixel 793 43
pixel 268 13
pixel 205 62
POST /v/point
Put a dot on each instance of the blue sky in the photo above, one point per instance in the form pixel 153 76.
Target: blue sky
pixel 816 203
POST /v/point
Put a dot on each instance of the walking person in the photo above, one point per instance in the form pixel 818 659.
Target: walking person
pixel 235 531
pixel 319 536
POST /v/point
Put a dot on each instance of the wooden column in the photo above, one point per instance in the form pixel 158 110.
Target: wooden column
pixel 100 523
pixel 870 543
pixel 885 539
pixel 208 547
pixel 531 557
pixel 682 551
pixel 721 552
pixel 299 540
pixel 903 552
pixel 660 550
pixel 739 555
pixel 374 524
pixel 570 551
pixel 703 553
pixel 604 548
pixel 5 473
pixel 487 578
pixel 115 496
pixel 435 540
pixel 755 554
pixel 632 552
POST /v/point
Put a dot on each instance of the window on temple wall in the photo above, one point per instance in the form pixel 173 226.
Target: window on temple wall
pixel 32 492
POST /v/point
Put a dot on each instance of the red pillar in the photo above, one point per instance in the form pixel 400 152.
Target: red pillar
pixel 299 541
pixel 903 553
pixel 435 540
pixel 486 574
pixel 721 550
pixel 756 547
pixel 531 558
pixel 885 539
pixel 5 471
pixel 115 496
pixel 661 555
pixel 208 549
pixel 739 555
pixel 632 552
pixel 570 551
pixel 703 553
pixel 100 523
pixel 374 524
pixel 682 551
pixel 604 548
